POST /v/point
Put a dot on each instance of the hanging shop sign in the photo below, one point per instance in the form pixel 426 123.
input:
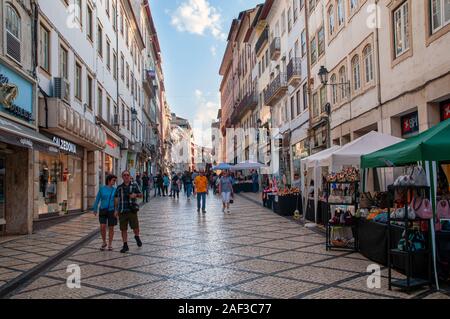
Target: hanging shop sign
pixel 410 124
pixel 111 144
pixel 445 110
pixel 16 94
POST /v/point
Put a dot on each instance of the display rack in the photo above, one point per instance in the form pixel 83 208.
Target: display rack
pixel 331 228
pixel 408 254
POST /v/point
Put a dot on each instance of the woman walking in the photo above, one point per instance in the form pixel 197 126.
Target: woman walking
pixel 107 216
pixel 176 184
pixel 166 184
pixel 226 190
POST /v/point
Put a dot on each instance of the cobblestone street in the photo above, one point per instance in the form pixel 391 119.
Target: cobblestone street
pixel 251 253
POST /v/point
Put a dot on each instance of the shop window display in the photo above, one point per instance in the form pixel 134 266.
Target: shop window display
pixel 60 184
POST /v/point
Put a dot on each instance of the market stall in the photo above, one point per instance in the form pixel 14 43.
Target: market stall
pixel 426 151
pixel 248 184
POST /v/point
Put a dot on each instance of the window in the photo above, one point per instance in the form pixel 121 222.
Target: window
pixel 128 75
pixel 114 16
pixel 312 5
pixel 292 107
pixel 305 96
pixel 342 80
pixel 115 65
pixel 78 81
pixel 289 16
pixel 368 63
pixel 334 89
pixel 440 14
pixel 401 29
pixel 321 39
pixel 107 4
pixel 331 24
pixel 356 73
pixel 122 66
pixel 295 9
pixel 340 12
pixel 45 49
pixel 303 41
pixel 128 120
pixel 353 6
pixel 90 24
pixel 298 103
pixel 108 54
pixel 100 102
pixel 283 22
pixel 63 63
pixel 78 11
pixel 89 94
pixel 100 41
pixel 123 115
pixel 323 98
pixel 315 105
pixel 313 51
pixel 13 33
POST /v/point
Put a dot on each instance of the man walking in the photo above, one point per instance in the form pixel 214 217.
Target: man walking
pixel 127 207
pixel 146 186
pixel 188 185
pixel 201 189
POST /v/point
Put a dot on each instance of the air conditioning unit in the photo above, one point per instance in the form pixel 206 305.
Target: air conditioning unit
pixel 62 89
pixel 116 120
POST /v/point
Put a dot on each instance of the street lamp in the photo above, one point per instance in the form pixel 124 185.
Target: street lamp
pixel 134 115
pixel 323 75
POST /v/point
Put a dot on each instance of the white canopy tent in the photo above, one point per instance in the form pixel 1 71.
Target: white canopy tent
pixel 350 154
pixel 246 165
pixel 311 166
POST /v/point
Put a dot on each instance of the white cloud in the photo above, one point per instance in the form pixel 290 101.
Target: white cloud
pixel 205 115
pixel 197 17
pixel 213 50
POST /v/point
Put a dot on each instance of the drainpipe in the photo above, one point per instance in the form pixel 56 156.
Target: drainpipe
pixel 308 69
pixel 377 41
pixel 34 41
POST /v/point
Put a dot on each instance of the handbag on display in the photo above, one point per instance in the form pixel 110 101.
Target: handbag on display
pixel 400 214
pixel 366 200
pixel 443 212
pixel 419 176
pixel 384 200
pixel 416 242
pixel 423 208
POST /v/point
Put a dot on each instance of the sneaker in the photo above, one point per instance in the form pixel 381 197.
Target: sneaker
pixel 204 211
pixel 198 210
pixel 124 248
pixel 228 212
pixel 138 241
pixel 223 210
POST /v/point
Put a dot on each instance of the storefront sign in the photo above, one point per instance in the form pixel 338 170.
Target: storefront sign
pixel 410 124
pixel 16 94
pixel 445 111
pixel 111 144
pixel 65 145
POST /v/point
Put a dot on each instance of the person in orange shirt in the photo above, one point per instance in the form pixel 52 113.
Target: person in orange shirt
pixel 201 189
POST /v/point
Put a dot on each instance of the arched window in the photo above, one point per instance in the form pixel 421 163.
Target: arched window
pixel 334 88
pixel 331 23
pixel 368 63
pixel 356 73
pixel 341 12
pixel 13 32
pixel 342 80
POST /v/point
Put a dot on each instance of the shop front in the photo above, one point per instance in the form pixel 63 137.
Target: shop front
pixel 410 125
pixel 111 158
pixel 60 179
pixel 19 141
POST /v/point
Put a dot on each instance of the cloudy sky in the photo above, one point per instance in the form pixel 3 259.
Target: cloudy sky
pixel 192 34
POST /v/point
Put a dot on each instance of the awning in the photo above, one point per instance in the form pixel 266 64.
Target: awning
pixel 20 135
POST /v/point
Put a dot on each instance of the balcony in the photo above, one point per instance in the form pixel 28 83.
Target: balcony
pixel 248 103
pixel 276 89
pixel 294 72
pixel 275 49
pixel 262 41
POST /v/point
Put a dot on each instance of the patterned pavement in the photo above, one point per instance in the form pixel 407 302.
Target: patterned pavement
pixel 252 254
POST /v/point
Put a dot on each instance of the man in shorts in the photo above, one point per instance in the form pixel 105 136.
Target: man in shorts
pixel 127 207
